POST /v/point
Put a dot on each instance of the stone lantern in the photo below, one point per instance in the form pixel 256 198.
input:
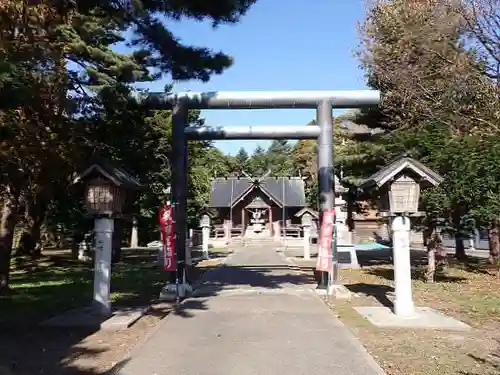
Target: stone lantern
pixel 399 184
pixel 306 221
pixel 307 218
pixel 343 243
pixel 106 190
pixel 103 197
pixel 205 233
pixel 404 194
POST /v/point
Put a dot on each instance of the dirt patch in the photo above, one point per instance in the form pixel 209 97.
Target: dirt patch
pixel 28 349
pixel 463 292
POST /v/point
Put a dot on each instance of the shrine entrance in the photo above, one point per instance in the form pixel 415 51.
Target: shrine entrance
pixel 258 207
pixel 260 218
pixel 181 103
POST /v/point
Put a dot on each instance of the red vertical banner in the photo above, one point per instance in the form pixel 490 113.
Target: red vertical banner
pixel 324 262
pixel 167 238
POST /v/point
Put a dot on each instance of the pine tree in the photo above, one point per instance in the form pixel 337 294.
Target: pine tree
pixel 279 158
pixel 58 64
pixel 242 160
pixel 258 164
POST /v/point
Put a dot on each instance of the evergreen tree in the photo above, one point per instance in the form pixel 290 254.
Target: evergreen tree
pixel 242 160
pixel 279 158
pixel 258 164
pixel 57 69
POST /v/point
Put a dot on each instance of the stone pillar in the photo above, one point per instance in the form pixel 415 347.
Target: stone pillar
pixel 205 234
pixel 306 227
pixel 134 237
pixel 472 243
pixel 103 228
pixel 277 231
pixel 344 235
pixel 227 231
pixel 403 303
pixel 83 249
pixel 190 237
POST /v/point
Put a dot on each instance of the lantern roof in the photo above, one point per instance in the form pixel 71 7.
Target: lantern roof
pixel 205 210
pixel 307 210
pixel 104 168
pixel 401 164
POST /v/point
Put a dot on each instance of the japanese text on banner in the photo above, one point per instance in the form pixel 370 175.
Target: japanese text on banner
pixel 167 238
pixel 324 262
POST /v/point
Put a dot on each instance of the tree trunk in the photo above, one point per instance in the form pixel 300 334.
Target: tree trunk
pixel 116 242
pixel 31 243
pixel 459 243
pixel 494 242
pixel 35 237
pixel 431 264
pixel 35 216
pixel 459 248
pixel 7 223
pixel 434 242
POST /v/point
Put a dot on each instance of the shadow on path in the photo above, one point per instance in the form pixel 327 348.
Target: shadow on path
pixel 253 329
pixel 271 277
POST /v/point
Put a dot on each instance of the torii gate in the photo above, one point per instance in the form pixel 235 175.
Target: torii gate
pixel 323 101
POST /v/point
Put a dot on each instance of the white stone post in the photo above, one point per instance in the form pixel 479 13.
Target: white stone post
pixel 403 303
pixel 103 228
pixel 227 231
pixel 306 226
pixel 344 235
pixel 190 237
pixel 134 237
pixel 307 241
pixel 472 242
pixel 83 250
pixel 277 231
pixel 205 234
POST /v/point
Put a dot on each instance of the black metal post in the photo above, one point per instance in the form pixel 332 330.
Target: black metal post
pixel 326 187
pixel 179 185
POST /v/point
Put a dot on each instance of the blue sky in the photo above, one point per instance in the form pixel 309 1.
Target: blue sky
pixel 278 45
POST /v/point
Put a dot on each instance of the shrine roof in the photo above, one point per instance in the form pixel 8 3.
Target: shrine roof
pixel 285 191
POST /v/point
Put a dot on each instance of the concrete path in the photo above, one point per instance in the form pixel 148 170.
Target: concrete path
pixel 255 316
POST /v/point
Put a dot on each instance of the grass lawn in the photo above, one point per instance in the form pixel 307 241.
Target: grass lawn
pixel 467 293
pixel 56 282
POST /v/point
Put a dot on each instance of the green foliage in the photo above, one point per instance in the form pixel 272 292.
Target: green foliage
pixel 258 164
pixel 242 159
pixel 65 95
pixel 439 106
pixel 280 158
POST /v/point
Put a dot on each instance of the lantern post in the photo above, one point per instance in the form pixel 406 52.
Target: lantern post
pixel 404 196
pixel 103 200
pixel 205 234
pixel 400 183
pixel 105 196
pixel 306 227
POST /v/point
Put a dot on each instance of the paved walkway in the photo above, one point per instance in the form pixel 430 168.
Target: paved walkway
pixel 255 316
